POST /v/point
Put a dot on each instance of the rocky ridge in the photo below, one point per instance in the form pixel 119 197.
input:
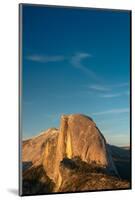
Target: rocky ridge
pixel 79 141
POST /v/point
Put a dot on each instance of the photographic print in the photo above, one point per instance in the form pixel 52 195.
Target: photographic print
pixel 75 99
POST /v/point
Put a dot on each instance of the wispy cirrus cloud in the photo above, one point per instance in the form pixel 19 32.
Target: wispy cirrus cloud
pixel 108 88
pixel 100 88
pixel 112 111
pixel 113 95
pixel 45 58
pixel 76 61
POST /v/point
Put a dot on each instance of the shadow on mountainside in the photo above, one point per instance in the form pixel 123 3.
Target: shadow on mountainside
pixel 26 165
pixel 35 181
pixel 74 158
pixel 78 175
pixel 121 158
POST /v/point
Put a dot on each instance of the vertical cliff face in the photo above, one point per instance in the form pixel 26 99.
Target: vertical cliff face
pixel 64 149
pixel 69 151
pixel 78 136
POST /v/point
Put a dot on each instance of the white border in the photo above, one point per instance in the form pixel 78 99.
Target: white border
pixel 9 96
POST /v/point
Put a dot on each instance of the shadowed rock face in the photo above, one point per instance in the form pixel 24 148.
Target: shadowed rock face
pixel 81 176
pixel 78 136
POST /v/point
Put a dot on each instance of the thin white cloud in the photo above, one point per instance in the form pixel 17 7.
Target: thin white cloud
pixel 113 111
pixel 45 58
pixel 77 58
pixel 76 62
pixel 100 88
pixel 113 95
pixel 104 88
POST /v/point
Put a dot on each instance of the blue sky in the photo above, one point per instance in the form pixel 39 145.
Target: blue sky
pixel 76 61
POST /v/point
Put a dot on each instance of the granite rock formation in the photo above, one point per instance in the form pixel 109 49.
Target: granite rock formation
pixel 77 137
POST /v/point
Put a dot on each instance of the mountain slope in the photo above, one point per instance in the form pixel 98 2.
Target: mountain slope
pixel 78 138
